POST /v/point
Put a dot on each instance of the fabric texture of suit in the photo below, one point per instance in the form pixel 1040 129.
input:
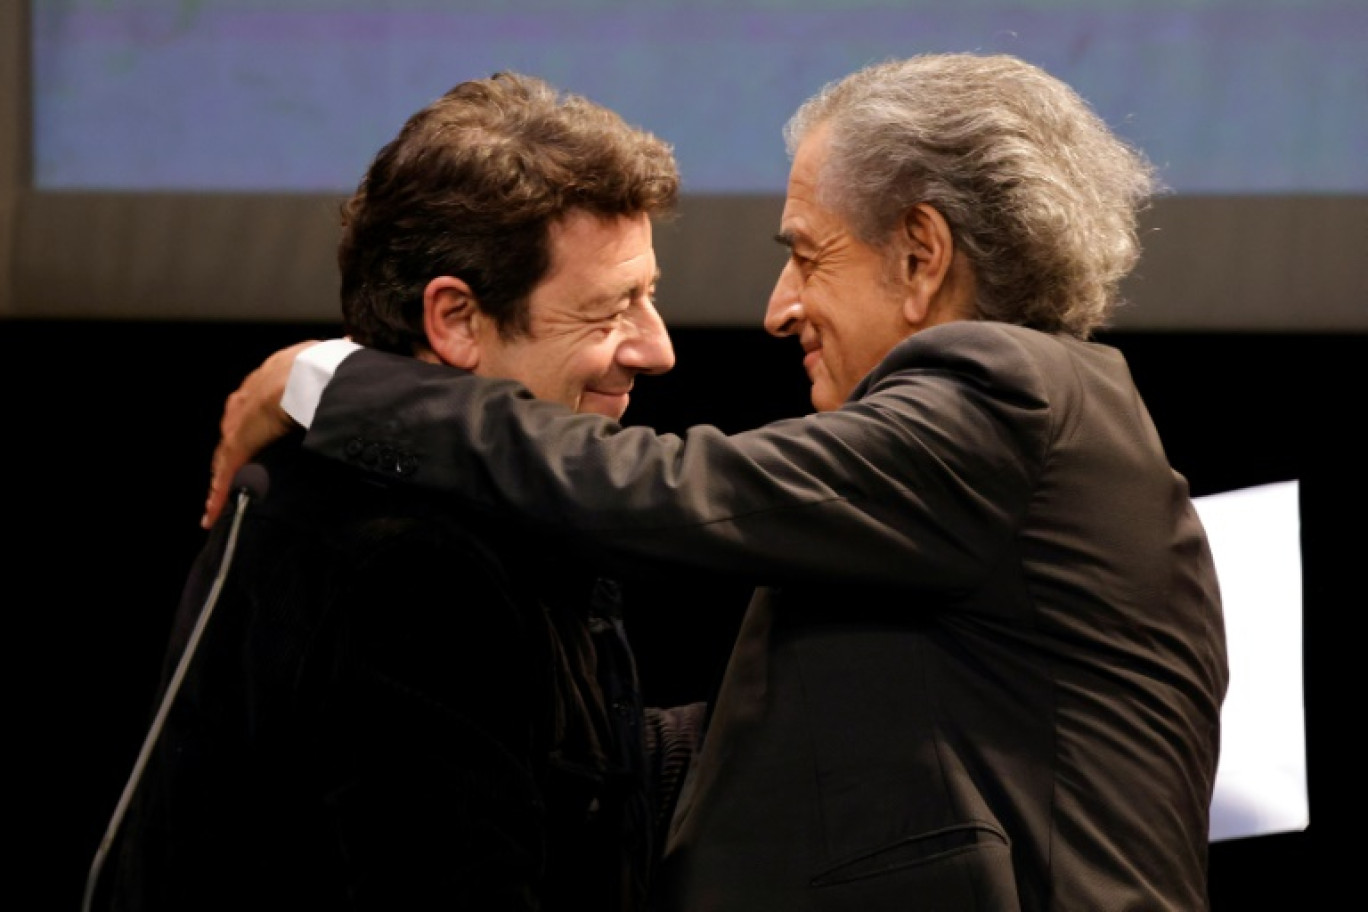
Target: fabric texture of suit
pixel 393 706
pixel 985 663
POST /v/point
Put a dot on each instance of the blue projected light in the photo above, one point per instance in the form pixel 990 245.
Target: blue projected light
pixel 1226 96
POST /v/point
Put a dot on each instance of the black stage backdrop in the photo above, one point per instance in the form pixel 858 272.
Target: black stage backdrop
pixel 109 426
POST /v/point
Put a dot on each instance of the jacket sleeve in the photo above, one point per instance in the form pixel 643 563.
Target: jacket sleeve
pixel 919 481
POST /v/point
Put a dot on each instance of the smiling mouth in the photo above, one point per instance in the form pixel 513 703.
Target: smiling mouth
pixel 610 404
pixel 810 360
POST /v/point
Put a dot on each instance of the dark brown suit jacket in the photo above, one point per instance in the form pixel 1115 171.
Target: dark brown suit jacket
pixel 985 665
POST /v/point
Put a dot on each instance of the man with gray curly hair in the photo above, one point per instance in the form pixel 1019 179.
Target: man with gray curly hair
pixel 985 663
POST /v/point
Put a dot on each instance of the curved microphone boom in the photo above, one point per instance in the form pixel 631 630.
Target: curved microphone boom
pixel 250 484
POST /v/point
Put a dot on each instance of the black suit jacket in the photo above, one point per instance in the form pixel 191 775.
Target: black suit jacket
pixel 985 667
pixel 393 706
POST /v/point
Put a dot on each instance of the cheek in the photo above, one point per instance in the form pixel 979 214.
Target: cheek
pixel 590 362
pixel 546 373
pixel 828 299
pixel 849 351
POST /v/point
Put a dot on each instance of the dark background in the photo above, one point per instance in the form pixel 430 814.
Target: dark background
pixel 110 427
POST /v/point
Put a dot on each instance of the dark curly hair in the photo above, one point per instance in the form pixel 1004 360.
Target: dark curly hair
pixel 470 187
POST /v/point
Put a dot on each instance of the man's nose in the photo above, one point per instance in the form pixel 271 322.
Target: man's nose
pixel 784 316
pixel 650 350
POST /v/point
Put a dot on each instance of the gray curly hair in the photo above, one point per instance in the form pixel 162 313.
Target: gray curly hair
pixel 1040 195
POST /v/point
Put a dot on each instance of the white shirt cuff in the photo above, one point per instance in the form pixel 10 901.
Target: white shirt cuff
pixel 312 369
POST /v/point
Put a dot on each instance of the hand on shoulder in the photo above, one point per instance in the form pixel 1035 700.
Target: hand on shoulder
pixel 252 419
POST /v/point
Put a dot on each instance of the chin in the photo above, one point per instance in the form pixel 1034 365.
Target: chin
pixel 823 401
pixel 608 405
pixel 606 412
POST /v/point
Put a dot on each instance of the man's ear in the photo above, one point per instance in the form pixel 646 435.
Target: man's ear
pixel 927 248
pixel 452 320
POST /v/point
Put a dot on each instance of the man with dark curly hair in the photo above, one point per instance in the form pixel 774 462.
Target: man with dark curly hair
pixel 397 704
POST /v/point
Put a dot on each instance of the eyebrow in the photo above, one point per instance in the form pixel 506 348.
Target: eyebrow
pixel 785 239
